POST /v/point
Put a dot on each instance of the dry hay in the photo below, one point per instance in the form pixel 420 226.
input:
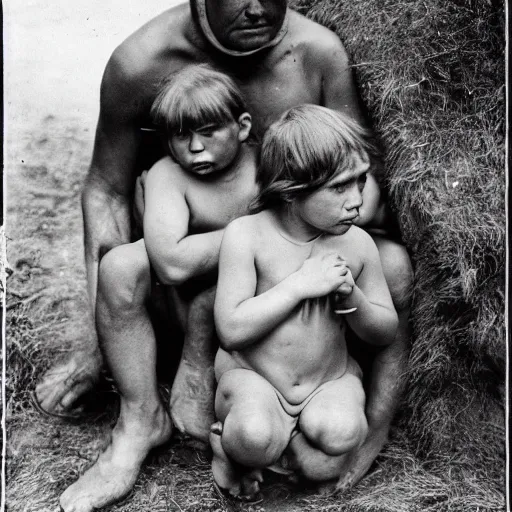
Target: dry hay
pixel 432 78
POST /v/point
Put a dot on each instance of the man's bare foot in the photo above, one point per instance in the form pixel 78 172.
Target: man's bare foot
pixel 64 383
pixel 359 461
pixel 229 477
pixel 114 473
pixel 192 400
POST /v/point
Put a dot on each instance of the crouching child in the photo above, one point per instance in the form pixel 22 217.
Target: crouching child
pixel 293 278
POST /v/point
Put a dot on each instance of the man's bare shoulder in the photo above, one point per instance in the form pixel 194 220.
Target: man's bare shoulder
pixel 316 38
pixel 160 36
pixel 137 66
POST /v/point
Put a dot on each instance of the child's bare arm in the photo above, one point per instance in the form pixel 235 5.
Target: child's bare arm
pixel 375 320
pixel 243 318
pixel 175 256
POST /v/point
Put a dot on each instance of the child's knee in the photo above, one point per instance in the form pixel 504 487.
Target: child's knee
pixel 250 441
pixel 124 279
pixel 339 432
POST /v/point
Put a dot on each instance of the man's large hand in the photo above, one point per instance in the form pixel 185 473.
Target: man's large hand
pixel 64 383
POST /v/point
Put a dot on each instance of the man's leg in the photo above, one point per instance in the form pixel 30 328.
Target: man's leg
pixel 128 342
pixel 192 395
pixel 255 430
pixel 388 368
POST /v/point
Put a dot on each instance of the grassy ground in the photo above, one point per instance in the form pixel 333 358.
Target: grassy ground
pixel 430 75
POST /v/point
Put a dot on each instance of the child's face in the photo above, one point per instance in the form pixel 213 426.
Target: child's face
pixel 334 208
pixel 210 148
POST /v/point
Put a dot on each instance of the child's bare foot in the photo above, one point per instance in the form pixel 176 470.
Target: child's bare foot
pixel 230 477
pixel 114 473
pixel 192 399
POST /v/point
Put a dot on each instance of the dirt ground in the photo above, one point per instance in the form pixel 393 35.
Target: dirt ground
pixel 54 56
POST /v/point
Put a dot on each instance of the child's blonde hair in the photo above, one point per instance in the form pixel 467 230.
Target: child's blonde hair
pixel 304 149
pixel 195 96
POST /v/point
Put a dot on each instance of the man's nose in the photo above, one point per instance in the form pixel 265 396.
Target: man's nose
pixel 254 11
pixel 195 144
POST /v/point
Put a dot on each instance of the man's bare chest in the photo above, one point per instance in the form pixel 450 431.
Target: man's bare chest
pixel 271 93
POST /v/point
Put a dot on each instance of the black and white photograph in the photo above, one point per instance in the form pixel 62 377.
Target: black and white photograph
pixel 254 256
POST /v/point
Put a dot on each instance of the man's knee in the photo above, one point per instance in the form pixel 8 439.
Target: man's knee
pixel 397 268
pixel 124 278
pixel 338 432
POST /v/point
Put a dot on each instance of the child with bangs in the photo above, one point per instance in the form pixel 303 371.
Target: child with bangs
pixel 207 179
pixel 292 278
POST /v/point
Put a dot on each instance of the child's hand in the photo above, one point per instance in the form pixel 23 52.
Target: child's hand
pixel 346 287
pixel 343 292
pixel 322 274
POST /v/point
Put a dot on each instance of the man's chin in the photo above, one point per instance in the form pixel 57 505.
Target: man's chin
pixel 249 42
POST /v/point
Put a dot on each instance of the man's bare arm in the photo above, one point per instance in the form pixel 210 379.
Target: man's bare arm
pixel 105 205
pixel 175 255
pixel 109 185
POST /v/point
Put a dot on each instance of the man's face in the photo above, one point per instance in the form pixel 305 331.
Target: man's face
pixel 245 25
pixel 334 208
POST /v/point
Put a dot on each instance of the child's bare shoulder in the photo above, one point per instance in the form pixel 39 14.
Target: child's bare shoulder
pixel 165 164
pixel 165 170
pixel 248 227
pixel 358 241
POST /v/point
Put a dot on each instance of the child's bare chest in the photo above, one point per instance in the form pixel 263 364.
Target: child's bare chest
pixel 213 207
pixel 277 258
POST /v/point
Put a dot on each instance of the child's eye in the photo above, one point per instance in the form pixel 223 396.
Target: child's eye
pixel 207 131
pixel 340 188
pixel 362 180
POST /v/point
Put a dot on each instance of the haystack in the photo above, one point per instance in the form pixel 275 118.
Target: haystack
pixel 431 75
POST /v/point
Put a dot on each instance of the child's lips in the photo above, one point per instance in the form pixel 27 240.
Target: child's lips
pixel 202 166
pixel 350 221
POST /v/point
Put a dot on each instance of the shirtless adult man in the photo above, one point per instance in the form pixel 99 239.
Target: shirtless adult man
pixel 279 59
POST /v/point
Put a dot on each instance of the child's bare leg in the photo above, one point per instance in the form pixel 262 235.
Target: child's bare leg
pixel 192 395
pixel 388 367
pixel 228 475
pixel 129 346
pixel 255 430
pixel 332 425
